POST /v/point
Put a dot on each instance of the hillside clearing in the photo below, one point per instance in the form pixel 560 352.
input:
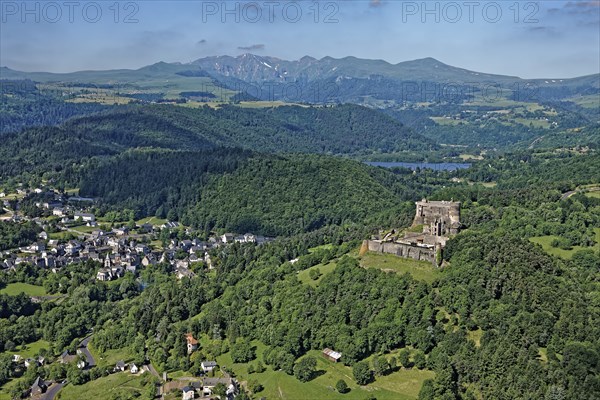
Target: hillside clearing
pixel 420 270
pixel 13 289
pixel 399 385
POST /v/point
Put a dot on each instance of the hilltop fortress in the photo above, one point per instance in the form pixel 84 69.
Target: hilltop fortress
pixel 438 220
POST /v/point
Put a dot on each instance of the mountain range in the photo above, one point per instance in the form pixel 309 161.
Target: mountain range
pixel 348 79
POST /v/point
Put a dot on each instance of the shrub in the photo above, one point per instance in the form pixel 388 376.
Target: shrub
pixel 341 386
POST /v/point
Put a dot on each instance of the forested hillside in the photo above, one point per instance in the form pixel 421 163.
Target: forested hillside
pixel 340 130
pixel 165 183
pixel 190 164
pixel 23 104
pixel 235 190
pixel 291 194
pixel 345 129
pixel 502 320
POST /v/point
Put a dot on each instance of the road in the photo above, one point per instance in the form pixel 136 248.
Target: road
pixel 567 195
pixel 153 371
pixel 76 232
pixel 159 389
pixel 83 346
pixel 56 387
pixel 53 391
pixel 9 214
pixel 572 192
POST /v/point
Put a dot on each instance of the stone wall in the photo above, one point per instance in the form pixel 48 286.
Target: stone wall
pixel 403 250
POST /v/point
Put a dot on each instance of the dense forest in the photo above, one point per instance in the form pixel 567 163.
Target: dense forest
pixel 164 183
pixel 502 318
pixel 23 104
pixel 14 234
pixel 46 151
pixel 234 190
pixel 201 179
pixel 281 196
pixel 346 129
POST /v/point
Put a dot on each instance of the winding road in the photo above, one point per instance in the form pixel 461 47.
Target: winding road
pixel 567 194
pixel 56 387
pixel 53 391
pixel 584 190
pixel 83 347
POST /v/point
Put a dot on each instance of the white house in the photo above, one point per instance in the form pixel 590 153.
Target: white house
pixel 208 385
pixel 192 344
pixel 120 366
pixel 188 393
pixel 228 238
pixel 84 217
pixel 208 366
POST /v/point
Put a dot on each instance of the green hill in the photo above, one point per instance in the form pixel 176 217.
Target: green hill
pixel 235 190
pixel 346 129
pixel 285 195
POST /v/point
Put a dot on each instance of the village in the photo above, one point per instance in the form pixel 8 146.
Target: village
pixel 120 249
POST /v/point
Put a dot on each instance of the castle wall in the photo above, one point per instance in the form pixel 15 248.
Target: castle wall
pixel 403 250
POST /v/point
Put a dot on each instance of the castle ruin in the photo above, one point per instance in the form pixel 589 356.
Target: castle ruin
pixel 438 219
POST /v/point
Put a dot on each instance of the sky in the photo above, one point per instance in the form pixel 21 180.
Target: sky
pixel 529 39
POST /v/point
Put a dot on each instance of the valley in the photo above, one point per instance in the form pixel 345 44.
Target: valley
pixel 203 239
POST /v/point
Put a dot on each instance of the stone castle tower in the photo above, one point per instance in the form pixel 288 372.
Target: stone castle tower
pixel 439 218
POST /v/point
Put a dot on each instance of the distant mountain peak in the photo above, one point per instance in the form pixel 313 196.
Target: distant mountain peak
pixel 430 60
pixel 307 59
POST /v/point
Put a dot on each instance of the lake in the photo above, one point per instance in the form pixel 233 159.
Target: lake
pixel 421 165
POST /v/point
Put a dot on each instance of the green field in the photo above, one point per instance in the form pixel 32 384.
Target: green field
pixel 14 289
pixel 304 276
pixel 545 241
pixel 590 101
pixel 87 229
pixel 420 270
pixel 151 220
pixel 467 157
pixel 110 357
pixel 62 235
pixel 118 385
pixel 595 194
pixel 475 336
pixel 5 389
pixel 400 385
pixel 322 247
pixel 31 349
pixel 536 123
pixel 415 229
pixel 446 121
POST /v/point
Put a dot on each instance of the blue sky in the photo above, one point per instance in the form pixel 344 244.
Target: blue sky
pixel 549 39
